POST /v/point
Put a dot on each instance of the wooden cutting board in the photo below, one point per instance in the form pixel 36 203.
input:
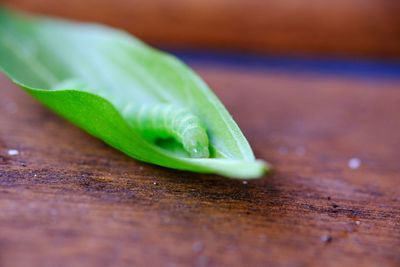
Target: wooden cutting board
pixel 68 199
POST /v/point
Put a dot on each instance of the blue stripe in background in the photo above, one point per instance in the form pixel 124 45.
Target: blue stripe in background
pixel 337 66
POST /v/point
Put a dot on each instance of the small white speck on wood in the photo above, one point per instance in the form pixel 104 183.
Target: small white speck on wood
pixel 354 163
pixel 300 151
pixel 11 107
pixel 197 246
pixel 283 150
pixel 12 152
pixel 244 182
pixel 326 238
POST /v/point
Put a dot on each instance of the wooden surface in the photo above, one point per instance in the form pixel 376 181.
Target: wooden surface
pixel 341 27
pixel 67 199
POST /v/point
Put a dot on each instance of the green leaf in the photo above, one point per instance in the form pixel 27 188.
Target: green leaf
pixel 139 100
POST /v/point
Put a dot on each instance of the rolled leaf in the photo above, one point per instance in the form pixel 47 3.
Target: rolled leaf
pixel 139 100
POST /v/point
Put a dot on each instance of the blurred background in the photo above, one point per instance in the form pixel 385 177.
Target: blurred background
pixel 342 28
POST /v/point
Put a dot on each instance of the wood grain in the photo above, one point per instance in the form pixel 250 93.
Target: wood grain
pixel 362 28
pixel 67 199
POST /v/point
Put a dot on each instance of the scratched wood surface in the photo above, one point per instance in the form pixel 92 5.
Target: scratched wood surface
pixel 68 199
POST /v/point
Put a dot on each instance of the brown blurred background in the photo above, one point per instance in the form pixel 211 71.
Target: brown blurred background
pixel 355 28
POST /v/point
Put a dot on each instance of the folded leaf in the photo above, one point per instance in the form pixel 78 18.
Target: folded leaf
pixel 141 101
